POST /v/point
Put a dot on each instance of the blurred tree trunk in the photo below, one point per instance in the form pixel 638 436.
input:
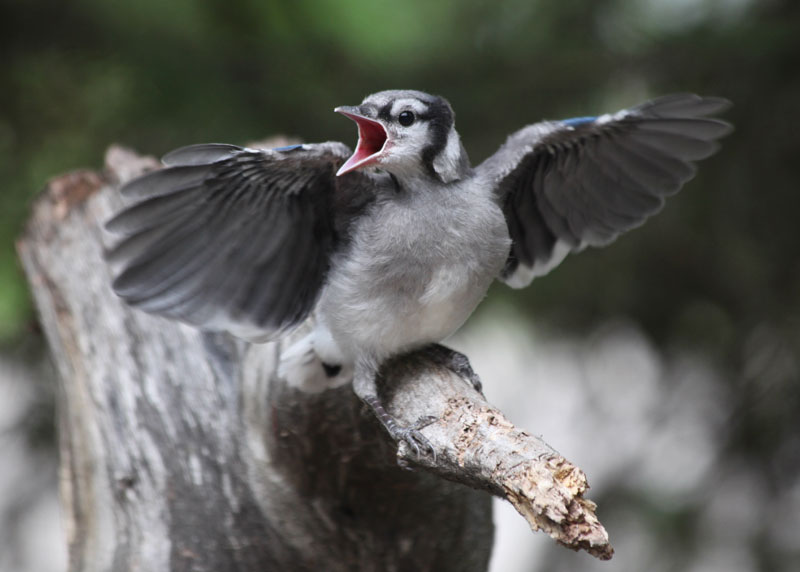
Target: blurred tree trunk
pixel 182 450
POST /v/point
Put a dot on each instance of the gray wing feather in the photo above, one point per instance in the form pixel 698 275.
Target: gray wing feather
pixel 233 239
pixel 202 154
pixel 568 185
pixel 163 182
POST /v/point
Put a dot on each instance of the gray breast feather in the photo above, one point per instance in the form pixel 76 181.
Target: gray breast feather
pixel 565 185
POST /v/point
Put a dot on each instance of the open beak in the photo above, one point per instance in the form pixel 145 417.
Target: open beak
pixel 372 140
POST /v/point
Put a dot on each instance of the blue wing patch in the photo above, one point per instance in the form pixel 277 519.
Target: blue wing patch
pixel 287 148
pixel 575 121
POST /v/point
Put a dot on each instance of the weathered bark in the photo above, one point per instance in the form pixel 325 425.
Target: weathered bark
pixel 185 451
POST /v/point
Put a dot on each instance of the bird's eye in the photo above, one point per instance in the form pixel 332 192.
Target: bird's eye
pixel 406 118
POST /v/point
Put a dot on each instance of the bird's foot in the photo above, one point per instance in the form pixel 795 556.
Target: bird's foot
pixel 457 363
pixel 411 436
pixel 415 440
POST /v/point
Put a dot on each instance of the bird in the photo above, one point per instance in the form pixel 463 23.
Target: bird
pixel 389 248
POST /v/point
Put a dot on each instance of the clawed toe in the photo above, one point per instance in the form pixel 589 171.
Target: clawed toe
pixel 411 436
pixel 416 441
pixel 457 363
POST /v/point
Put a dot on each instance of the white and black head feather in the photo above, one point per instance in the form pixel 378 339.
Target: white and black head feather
pixel 430 144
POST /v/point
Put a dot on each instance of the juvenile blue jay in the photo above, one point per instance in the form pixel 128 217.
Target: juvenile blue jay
pixel 393 246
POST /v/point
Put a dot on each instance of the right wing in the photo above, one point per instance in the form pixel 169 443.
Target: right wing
pixel 565 185
pixel 233 239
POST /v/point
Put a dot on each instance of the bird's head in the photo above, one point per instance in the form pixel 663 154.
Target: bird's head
pixel 409 134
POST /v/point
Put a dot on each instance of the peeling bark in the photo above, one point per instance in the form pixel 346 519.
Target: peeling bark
pixel 182 450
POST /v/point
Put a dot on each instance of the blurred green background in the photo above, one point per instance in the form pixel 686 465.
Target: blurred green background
pixel 717 273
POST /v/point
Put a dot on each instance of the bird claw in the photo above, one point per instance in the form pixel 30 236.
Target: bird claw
pixel 460 364
pixel 456 362
pixel 474 380
pixel 411 436
pixel 415 440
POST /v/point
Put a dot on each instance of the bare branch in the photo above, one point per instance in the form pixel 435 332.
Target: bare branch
pixel 476 445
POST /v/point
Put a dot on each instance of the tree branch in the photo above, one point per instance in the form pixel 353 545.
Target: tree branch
pixel 186 451
pixel 478 446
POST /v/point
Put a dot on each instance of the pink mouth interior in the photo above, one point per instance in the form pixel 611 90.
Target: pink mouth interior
pixel 371 139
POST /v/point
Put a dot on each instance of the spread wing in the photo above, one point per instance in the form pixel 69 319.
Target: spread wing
pixel 233 239
pixel 565 185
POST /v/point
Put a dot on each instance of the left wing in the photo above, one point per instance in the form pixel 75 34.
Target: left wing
pixel 233 239
pixel 565 185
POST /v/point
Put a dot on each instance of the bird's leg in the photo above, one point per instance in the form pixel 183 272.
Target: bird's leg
pixel 365 386
pixel 455 362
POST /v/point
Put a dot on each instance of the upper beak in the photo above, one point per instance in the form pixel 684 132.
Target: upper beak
pixel 372 138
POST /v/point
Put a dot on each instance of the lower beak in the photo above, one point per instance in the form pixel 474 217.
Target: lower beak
pixel 372 138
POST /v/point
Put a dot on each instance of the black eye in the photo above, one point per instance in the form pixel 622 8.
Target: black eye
pixel 406 118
